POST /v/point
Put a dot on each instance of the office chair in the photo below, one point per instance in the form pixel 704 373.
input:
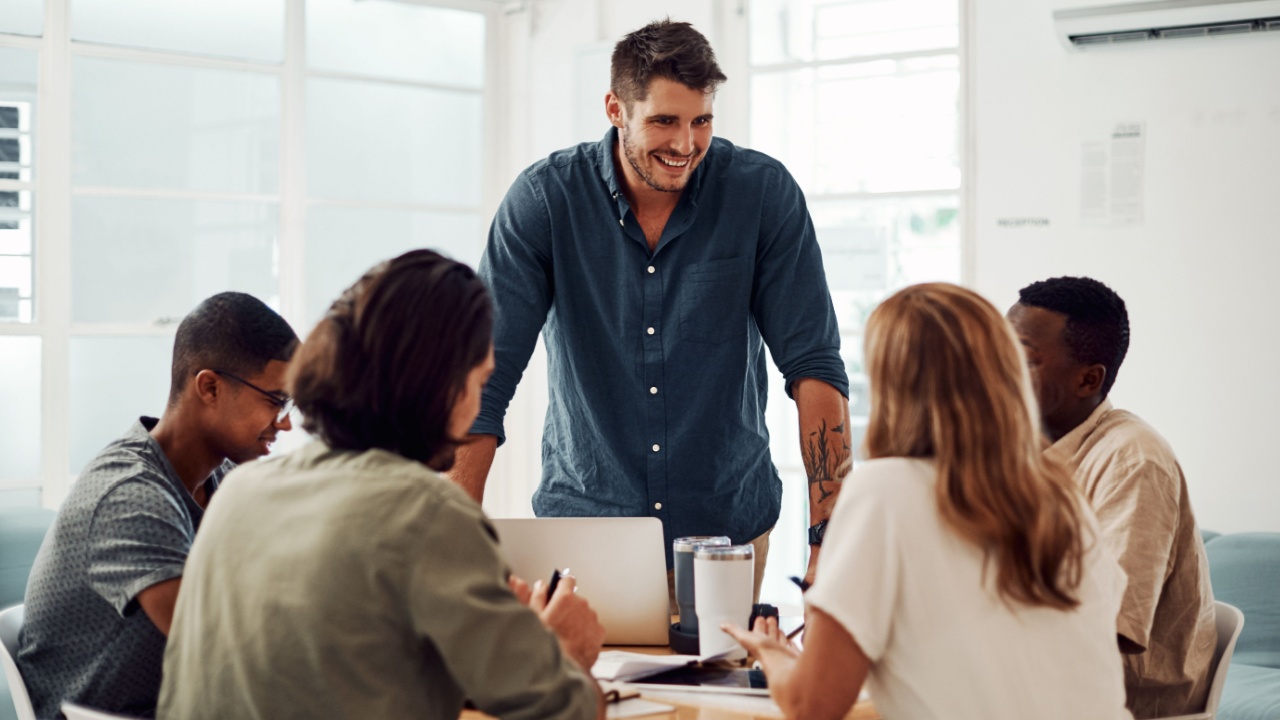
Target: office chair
pixel 1230 622
pixel 77 712
pixel 10 624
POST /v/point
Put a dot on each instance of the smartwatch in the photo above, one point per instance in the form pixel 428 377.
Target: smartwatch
pixel 816 532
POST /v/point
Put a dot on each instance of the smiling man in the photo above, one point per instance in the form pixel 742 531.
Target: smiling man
pixel 103 587
pixel 658 263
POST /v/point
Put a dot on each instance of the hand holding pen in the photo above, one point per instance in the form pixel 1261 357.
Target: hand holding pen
pixel 570 617
pixel 804 587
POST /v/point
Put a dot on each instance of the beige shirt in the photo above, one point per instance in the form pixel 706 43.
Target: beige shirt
pixel 1137 489
pixel 326 584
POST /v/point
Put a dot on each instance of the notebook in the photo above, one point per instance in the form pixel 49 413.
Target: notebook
pixel 618 563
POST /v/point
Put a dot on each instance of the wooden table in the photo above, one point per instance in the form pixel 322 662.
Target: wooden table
pixel 716 707
pixel 712 706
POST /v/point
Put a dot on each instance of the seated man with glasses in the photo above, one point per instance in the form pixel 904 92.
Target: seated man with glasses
pixel 103 587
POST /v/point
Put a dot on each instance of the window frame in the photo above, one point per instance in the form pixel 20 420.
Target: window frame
pixel 53 191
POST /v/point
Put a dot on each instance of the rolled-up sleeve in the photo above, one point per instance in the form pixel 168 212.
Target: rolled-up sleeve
pixel 1138 515
pixel 139 537
pixel 516 267
pixel 790 299
pixel 494 647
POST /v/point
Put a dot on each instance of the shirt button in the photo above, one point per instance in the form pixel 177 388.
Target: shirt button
pixel 650 331
pixel 651 270
pixel 657 506
pixel 653 391
pixel 622 222
pixel 656 448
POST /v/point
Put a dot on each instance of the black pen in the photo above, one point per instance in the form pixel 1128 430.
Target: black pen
pixel 804 586
pixel 555 580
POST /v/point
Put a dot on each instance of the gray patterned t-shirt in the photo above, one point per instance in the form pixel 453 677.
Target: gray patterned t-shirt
pixel 127 525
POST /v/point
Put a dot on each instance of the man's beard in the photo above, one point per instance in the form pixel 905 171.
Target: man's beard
pixel 629 152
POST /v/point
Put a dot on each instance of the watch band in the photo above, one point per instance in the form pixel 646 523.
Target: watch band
pixel 816 532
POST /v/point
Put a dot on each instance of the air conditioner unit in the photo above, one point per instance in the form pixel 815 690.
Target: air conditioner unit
pixel 1089 24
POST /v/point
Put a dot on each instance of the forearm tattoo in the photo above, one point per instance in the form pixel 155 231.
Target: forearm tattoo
pixel 823 457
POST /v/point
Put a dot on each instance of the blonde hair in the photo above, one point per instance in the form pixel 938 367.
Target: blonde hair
pixel 949 382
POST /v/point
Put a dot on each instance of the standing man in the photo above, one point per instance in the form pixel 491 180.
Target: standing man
pixel 1076 333
pixel 104 584
pixel 659 263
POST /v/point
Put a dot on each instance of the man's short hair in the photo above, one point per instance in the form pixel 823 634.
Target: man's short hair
pixel 666 49
pixel 386 365
pixel 1097 329
pixel 232 332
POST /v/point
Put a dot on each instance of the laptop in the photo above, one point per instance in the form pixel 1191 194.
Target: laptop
pixel 618 562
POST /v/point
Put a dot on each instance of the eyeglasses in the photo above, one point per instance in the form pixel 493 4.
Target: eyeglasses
pixel 283 403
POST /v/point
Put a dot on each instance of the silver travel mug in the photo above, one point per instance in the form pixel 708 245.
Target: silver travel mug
pixel 682 550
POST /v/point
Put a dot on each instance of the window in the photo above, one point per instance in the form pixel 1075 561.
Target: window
pixel 859 98
pixel 265 146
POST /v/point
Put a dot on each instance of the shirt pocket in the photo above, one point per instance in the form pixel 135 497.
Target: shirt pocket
pixel 715 299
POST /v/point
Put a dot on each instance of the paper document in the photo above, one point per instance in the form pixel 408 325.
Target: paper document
pixel 636 707
pixel 623 666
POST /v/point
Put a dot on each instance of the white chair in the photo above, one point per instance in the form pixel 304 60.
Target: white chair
pixel 10 624
pixel 76 712
pixel 1230 621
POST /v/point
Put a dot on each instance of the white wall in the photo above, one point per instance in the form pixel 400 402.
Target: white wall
pixel 1199 274
pixel 557 71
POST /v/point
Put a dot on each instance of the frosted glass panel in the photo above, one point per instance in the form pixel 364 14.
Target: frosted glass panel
pixel 873 247
pixel 413 42
pixel 164 126
pixel 19 498
pixel 135 260
pixel 19 408
pixel 113 382
pixel 245 29
pixel 342 243
pixel 785 31
pixel 18 70
pixel 21 17
pixel 393 143
pixel 877 127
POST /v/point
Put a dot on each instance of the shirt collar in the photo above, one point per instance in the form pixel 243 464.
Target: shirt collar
pixel 1068 445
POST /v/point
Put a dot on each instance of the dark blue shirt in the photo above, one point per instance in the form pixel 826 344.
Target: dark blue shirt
pixel 656 360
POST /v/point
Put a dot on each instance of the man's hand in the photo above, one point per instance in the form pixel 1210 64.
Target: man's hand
pixel 471 465
pixel 812 573
pixel 521 589
pixel 825 447
pixel 572 620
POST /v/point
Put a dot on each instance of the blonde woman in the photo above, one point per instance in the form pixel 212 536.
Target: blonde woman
pixel 960 576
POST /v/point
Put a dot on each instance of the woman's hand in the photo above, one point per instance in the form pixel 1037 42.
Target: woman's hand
pixel 764 638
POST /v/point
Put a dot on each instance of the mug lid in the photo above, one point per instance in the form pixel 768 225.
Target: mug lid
pixel 734 552
pixel 689 544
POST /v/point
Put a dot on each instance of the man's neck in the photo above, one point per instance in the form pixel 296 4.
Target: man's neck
pixel 186 448
pixel 1059 427
pixel 645 201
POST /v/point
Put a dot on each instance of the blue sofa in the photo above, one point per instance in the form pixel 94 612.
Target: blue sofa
pixel 21 532
pixel 1245 571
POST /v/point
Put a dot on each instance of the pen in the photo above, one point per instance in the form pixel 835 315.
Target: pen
pixel 804 586
pixel 555 580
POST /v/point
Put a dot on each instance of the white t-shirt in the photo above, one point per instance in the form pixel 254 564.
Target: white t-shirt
pixel 942 643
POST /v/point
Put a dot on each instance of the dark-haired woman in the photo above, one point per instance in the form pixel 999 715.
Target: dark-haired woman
pixel 349 579
pixel 961 574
